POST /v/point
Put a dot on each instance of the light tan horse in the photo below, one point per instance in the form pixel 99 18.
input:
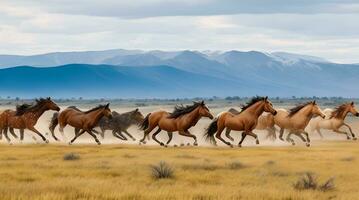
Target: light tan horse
pixel 265 122
pixel 181 119
pixel 245 121
pixel 335 120
pixel 296 120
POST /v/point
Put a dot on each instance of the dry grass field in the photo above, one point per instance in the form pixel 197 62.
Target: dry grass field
pixel 31 171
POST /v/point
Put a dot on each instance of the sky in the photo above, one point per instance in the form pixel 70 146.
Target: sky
pixel 324 28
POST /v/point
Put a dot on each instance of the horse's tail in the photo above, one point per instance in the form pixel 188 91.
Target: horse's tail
pixel 211 130
pixel 144 124
pixel 54 122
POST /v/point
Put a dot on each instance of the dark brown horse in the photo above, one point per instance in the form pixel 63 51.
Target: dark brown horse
pixel 181 119
pixel 120 122
pixel 245 121
pixel 84 121
pixel 25 117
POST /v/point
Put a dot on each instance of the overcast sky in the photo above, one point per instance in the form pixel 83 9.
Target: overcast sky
pixel 325 28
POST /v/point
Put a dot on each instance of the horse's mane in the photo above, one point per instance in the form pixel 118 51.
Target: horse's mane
pixel 88 111
pixel 251 102
pixel 24 108
pixel 234 111
pixel 297 108
pixel 182 110
pixel 338 111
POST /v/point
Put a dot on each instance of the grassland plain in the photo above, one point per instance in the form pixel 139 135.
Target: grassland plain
pixel 31 171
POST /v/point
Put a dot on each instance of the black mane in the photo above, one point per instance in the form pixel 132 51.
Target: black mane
pixel 182 110
pixel 251 102
pixel 24 108
pixel 297 108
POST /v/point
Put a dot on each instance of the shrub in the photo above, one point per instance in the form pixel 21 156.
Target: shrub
pixel 235 165
pixel 71 156
pixel 309 182
pixel 162 170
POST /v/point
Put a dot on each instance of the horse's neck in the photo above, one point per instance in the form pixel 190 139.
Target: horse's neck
pixel 37 113
pixel 344 114
pixel 97 115
pixel 194 116
pixel 257 109
pixel 306 112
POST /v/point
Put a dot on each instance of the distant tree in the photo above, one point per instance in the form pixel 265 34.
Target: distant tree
pixel 17 98
pixel 294 97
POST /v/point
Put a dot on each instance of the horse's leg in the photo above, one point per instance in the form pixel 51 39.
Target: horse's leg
pixel 76 136
pixel 127 133
pixel 6 136
pixel 319 132
pixel 61 129
pixel 154 137
pixel 188 134
pixel 243 136
pixel 1 133
pixel 38 133
pixel 350 129
pixel 271 133
pixel 170 136
pixel 94 136
pixel 255 136
pixel 289 139
pixel 13 132
pixel 228 134
pixel 342 132
pixel 307 136
pixel 146 134
pixel 302 138
pixel 102 132
pixel 281 132
pixel 118 135
pixel 218 136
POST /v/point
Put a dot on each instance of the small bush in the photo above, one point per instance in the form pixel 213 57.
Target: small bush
pixel 306 182
pixel 309 182
pixel 348 159
pixel 235 165
pixel 162 170
pixel 71 156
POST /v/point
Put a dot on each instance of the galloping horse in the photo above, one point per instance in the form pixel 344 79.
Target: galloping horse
pixel 335 120
pixel 245 121
pixel 265 122
pixel 181 119
pixel 25 117
pixel 296 120
pixel 84 121
pixel 120 123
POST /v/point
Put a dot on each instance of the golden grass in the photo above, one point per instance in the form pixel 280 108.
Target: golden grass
pixel 123 172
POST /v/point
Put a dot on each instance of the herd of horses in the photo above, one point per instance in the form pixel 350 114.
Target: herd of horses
pixel 257 114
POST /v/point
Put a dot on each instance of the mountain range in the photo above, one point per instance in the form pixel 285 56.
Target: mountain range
pixel 174 74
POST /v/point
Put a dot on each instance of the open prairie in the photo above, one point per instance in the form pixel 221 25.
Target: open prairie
pixel 123 172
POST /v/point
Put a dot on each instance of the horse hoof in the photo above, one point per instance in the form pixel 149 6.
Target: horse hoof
pixel 293 143
pixel 231 139
pixel 188 144
pixel 231 145
pixel 98 143
pixel 165 145
pixel 257 142
pixel 70 143
pixel 308 145
pixel 239 145
pixel 162 144
pixel 46 141
pixel 182 144
pixel 175 145
pixel 354 138
pixel 195 144
pixel 133 139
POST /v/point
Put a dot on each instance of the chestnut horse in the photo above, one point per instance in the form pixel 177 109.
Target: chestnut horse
pixel 181 119
pixel 296 120
pixel 265 122
pixel 84 121
pixel 245 121
pixel 335 119
pixel 25 117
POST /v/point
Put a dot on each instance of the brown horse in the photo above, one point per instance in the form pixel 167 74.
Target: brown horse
pixel 181 119
pixel 245 121
pixel 296 120
pixel 335 120
pixel 265 122
pixel 84 121
pixel 25 117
